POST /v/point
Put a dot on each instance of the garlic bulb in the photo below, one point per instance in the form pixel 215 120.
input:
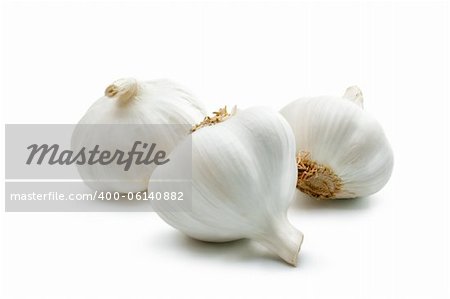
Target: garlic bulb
pixel 129 112
pixel 342 151
pixel 243 180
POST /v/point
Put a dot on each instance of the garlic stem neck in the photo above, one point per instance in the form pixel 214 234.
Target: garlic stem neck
pixel 218 117
pixel 284 240
pixel 355 95
pixel 123 90
pixel 315 179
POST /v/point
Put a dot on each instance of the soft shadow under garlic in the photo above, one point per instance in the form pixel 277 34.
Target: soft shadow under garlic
pixel 305 202
pixel 238 251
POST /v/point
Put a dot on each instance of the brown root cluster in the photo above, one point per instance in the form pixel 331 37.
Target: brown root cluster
pixel 219 116
pixel 316 179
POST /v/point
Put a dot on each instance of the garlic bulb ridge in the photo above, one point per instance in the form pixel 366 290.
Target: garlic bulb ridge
pixel 342 151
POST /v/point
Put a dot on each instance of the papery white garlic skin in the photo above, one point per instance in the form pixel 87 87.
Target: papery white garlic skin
pixel 338 134
pixel 132 102
pixel 243 180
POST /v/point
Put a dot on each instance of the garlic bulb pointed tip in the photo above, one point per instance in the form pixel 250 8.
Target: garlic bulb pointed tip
pixel 354 94
pixel 123 89
pixel 283 239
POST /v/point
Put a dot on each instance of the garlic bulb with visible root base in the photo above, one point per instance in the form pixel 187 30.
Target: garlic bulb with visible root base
pixel 133 111
pixel 342 151
pixel 243 180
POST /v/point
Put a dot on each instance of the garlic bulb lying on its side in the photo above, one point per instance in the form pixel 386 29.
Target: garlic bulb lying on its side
pixel 128 113
pixel 342 150
pixel 243 180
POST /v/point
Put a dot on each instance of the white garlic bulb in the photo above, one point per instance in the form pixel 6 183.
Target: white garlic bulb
pixel 342 150
pixel 243 180
pixel 129 112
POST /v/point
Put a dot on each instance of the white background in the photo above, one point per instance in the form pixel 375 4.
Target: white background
pixel 57 58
